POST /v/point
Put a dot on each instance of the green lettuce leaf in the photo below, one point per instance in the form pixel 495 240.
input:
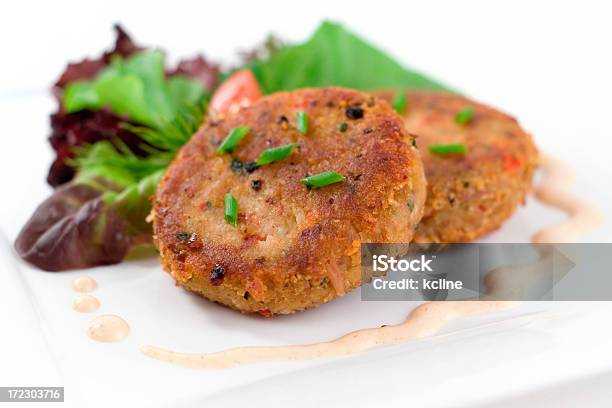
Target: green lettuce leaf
pixel 335 56
pixel 135 87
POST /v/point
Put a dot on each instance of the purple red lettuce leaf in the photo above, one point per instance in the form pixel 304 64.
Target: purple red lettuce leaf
pixel 69 130
pixel 86 224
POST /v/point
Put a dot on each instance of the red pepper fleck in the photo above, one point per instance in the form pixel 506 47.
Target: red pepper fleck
pixel 206 205
pixel 251 240
pixel 265 313
pixel 512 164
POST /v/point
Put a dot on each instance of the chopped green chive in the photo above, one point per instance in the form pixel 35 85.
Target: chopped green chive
pixel 302 122
pixel 322 179
pixel 465 116
pixel 400 102
pixel 274 154
pixel 231 141
pixel 231 209
pixel 342 127
pixel 448 148
pixel 411 206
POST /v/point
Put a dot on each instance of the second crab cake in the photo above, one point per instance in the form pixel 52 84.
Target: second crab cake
pixel 479 165
pixel 265 210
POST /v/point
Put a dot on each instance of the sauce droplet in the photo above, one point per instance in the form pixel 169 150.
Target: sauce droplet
pixel 86 304
pixel 83 284
pixel 108 328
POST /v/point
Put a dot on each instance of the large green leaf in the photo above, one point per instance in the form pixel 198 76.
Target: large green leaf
pixel 335 56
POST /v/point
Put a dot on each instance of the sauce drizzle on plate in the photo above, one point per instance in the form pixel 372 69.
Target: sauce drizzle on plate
pixel 428 318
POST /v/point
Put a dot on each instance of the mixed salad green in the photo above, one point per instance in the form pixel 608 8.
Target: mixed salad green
pixel 99 216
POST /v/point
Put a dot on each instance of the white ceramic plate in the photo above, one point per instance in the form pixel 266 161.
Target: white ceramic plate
pixel 511 351
pixel 519 56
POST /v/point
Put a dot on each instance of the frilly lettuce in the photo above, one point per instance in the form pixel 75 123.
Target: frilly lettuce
pixel 100 216
pixel 136 88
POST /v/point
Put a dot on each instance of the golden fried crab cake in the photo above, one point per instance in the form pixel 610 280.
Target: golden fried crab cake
pixel 470 194
pixel 293 247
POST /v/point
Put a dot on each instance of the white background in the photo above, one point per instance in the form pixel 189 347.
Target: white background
pixel 547 63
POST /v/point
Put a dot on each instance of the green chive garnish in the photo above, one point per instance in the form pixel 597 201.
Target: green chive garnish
pixel 400 102
pixel 465 116
pixel 343 127
pixel 231 209
pixel 302 122
pixel 232 140
pixel 274 154
pixel 322 179
pixel 448 148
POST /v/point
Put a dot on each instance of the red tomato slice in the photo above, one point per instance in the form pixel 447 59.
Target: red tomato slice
pixel 240 89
